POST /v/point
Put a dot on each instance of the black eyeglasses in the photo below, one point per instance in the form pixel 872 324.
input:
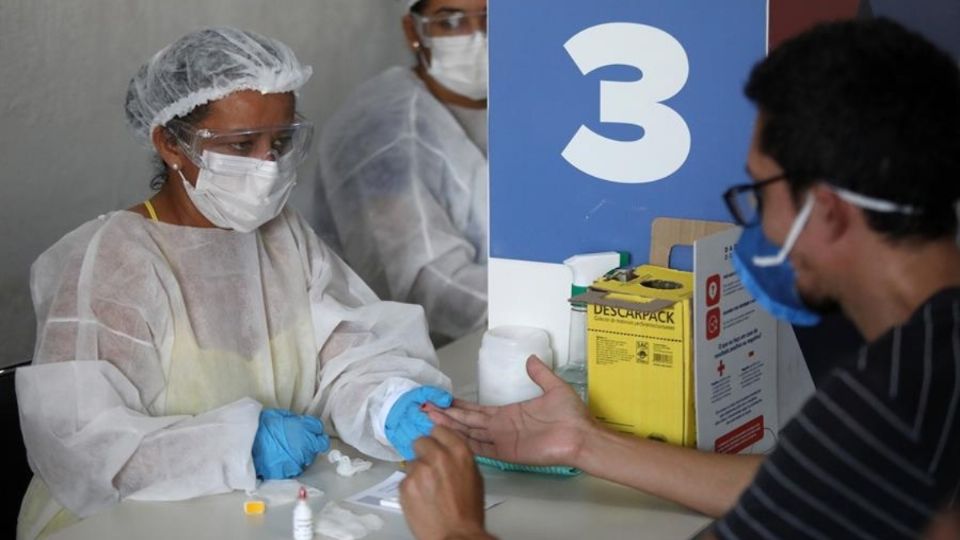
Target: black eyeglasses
pixel 745 202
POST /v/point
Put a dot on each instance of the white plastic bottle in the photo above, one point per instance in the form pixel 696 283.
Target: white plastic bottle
pixel 501 364
pixel 302 518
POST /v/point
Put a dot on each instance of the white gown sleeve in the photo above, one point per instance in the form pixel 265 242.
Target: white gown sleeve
pixel 371 351
pixel 86 403
pixel 400 236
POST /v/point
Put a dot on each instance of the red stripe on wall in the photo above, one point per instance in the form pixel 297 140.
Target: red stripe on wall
pixel 791 17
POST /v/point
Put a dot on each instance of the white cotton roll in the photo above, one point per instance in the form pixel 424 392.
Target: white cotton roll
pixel 347 466
pixel 501 370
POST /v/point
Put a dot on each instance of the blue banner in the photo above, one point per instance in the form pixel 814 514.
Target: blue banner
pixel 607 114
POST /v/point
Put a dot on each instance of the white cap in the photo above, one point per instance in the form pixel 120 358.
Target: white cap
pixel 589 266
pixel 407 4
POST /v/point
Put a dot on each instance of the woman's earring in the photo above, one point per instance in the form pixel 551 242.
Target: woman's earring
pixel 175 166
pixel 416 45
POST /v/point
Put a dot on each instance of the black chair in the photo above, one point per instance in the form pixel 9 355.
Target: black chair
pixel 16 472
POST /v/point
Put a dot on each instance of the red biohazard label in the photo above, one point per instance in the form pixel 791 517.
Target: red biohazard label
pixel 740 438
pixel 713 323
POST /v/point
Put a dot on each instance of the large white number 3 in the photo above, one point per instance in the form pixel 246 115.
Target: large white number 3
pixel 663 64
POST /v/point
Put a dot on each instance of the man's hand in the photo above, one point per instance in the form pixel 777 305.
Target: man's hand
pixel 556 429
pixel 547 430
pixel 442 495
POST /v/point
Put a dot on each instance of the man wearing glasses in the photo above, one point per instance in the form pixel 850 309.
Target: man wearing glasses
pixel 855 172
pixel 403 169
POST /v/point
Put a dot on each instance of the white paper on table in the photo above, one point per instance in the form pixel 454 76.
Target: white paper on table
pixel 389 490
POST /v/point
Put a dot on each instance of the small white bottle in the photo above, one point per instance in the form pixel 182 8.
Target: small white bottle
pixel 302 518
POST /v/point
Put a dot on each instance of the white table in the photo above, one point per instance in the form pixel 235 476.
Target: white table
pixel 536 507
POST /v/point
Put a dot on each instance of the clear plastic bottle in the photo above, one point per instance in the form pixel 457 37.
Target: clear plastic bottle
pixel 302 518
pixel 586 268
pixel 574 372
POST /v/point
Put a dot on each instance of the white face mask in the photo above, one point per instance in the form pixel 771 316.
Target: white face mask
pixel 240 193
pixel 460 63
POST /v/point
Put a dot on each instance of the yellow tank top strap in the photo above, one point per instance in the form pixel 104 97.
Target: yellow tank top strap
pixel 151 211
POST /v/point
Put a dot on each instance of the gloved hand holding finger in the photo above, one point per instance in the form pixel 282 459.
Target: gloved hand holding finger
pixel 407 421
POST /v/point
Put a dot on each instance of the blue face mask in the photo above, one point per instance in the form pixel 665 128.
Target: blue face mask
pixel 774 285
pixel 767 273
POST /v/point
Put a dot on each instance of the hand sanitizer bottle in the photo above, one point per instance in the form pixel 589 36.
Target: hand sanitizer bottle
pixel 586 268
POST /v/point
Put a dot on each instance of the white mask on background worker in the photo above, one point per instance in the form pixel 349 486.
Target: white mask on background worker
pixel 452 44
pixel 460 63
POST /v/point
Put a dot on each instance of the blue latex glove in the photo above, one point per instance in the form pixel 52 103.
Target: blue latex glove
pixel 407 423
pixel 286 443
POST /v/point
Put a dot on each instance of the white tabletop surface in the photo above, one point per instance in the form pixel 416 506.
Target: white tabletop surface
pixel 536 506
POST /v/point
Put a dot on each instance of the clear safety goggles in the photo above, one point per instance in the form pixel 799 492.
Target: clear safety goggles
pixel 450 23
pixel 288 144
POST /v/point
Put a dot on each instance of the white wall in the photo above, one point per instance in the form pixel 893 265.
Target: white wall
pixel 65 153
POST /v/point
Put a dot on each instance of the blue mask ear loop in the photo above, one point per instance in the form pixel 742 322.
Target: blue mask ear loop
pixel 877 205
pixel 856 199
pixel 795 229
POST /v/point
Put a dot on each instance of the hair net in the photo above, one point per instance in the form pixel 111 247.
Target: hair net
pixel 205 66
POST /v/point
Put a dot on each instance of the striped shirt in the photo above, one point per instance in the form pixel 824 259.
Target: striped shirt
pixel 875 453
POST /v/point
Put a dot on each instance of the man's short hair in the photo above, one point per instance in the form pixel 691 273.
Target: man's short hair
pixel 869 106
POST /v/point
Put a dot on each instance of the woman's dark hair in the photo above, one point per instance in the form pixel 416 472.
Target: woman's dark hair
pixel 160 169
pixel 871 107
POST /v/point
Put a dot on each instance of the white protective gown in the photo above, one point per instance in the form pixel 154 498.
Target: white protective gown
pixel 406 189
pixel 158 345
